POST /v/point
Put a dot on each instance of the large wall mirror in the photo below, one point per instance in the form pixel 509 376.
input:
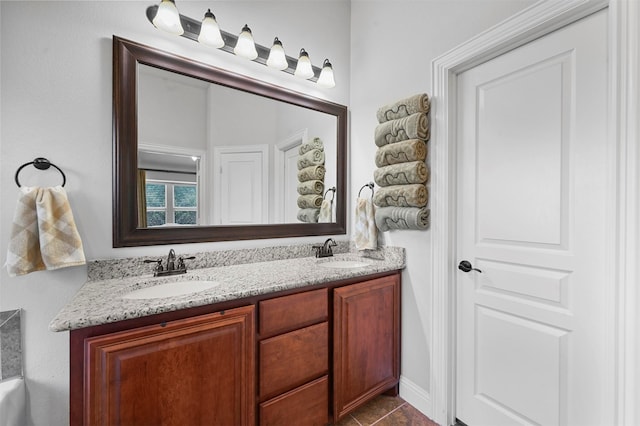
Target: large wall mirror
pixel 202 154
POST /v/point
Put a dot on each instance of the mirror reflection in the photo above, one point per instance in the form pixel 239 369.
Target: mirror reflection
pixel 202 154
pixel 214 155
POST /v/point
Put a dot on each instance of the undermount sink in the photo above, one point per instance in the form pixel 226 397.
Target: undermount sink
pixel 179 288
pixel 343 264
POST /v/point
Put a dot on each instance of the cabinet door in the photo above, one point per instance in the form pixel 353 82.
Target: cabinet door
pixel 366 342
pixel 197 371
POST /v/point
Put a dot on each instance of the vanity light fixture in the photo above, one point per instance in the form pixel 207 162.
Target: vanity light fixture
pixel 210 31
pixel 168 18
pixel 304 69
pixel 165 16
pixel 277 59
pixel 245 46
pixel 326 75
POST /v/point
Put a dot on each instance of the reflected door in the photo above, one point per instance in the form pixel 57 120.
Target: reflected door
pixel 242 190
pixel 533 324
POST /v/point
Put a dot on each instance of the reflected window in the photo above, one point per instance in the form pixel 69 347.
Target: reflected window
pixel 171 203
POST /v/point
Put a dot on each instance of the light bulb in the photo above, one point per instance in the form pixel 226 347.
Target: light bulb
pixel 326 76
pixel 210 31
pixel 304 69
pixel 167 18
pixel 245 46
pixel 277 59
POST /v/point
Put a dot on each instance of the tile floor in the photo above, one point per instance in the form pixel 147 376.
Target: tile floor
pixel 386 411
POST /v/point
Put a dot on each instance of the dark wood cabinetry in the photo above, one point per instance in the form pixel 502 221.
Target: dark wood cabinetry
pixel 293 366
pixel 366 342
pixel 197 371
pixel 305 357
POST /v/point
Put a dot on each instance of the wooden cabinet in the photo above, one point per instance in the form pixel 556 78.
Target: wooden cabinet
pixel 293 366
pixel 316 355
pixel 196 371
pixel 366 342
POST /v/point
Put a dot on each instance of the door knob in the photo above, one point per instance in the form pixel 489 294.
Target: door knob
pixel 465 266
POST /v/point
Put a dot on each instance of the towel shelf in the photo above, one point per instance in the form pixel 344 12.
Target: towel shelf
pixel 40 164
pixel 366 185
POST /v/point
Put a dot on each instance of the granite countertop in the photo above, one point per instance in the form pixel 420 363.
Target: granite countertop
pixel 101 302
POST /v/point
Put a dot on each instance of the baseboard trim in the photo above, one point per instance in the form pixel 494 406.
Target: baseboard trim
pixel 416 396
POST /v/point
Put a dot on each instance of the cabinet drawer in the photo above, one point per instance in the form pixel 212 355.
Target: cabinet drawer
pixel 290 360
pixel 306 405
pixel 288 313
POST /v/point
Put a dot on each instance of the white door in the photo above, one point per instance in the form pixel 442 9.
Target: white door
pixel 241 188
pixel 532 325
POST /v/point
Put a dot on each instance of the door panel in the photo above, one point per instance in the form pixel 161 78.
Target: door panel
pixel 532 142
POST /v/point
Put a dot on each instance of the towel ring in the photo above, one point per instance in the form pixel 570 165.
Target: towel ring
pixel 369 185
pixel 40 164
pixel 333 193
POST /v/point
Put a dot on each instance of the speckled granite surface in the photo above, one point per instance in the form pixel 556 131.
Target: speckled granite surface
pixel 135 266
pixel 100 301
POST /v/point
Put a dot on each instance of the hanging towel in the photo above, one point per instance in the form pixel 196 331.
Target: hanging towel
pixel 311 173
pixel 326 212
pixel 311 187
pixel 404 108
pixel 310 201
pixel 401 152
pixel 43 234
pixel 315 157
pixel 308 215
pixel 415 195
pixel 366 237
pixel 415 126
pixel 388 218
pixel 315 143
pixel 401 174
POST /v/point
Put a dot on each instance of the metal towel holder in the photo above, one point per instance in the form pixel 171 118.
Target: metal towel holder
pixel 369 185
pixel 40 164
pixel 333 193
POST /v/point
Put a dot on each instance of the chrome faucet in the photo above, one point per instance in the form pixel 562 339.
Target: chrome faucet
pixel 171 268
pixel 171 261
pixel 325 250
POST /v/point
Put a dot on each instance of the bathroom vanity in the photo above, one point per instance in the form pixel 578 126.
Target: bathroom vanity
pixel 309 350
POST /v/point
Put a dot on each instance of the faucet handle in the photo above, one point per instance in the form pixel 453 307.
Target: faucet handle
pixel 181 260
pixel 318 250
pixel 158 263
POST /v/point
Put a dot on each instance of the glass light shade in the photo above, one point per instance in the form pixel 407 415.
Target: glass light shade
pixel 167 18
pixel 326 76
pixel 304 69
pixel 210 31
pixel 277 59
pixel 245 46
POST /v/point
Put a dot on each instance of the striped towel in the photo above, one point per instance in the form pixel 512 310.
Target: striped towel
pixel 43 234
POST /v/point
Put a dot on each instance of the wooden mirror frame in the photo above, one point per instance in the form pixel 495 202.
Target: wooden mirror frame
pixel 126 57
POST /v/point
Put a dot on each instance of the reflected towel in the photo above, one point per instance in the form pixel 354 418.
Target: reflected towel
pixel 315 143
pixel 43 234
pixel 401 152
pixel 415 195
pixel 388 218
pixel 404 108
pixel 366 237
pixel 326 212
pixel 415 126
pixel 311 187
pixel 308 215
pixel 311 173
pixel 315 157
pixel 310 201
pixel 401 174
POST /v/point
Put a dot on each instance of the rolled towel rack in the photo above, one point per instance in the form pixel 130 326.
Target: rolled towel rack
pixel 40 163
